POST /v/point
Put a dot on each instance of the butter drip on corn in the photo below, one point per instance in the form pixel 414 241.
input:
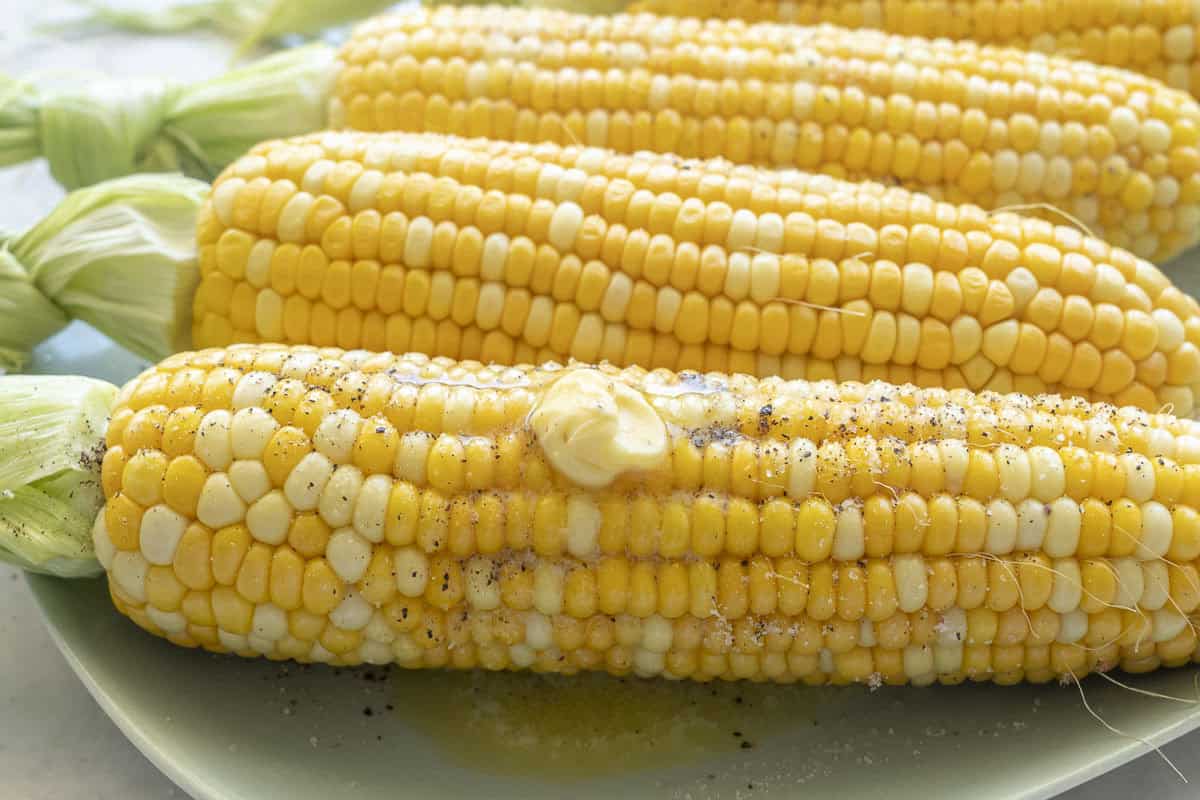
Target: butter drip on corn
pixel 967 123
pixel 349 507
pixel 594 428
pixel 523 253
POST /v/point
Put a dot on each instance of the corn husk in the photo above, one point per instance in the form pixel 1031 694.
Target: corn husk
pixel 51 447
pixel 94 131
pixel 252 21
pixel 120 255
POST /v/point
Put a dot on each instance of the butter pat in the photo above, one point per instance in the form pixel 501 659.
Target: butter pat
pixel 593 428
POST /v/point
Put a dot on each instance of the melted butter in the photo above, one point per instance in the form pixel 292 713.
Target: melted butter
pixel 593 428
pixel 581 726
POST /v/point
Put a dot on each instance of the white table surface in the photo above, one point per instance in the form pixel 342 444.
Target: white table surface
pixel 55 742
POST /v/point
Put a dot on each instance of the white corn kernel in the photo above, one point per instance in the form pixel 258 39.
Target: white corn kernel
pixel 1032 519
pixel 1001 528
pixel 319 654
pixel 1139 477
pixel 337 500
pixel 802 468
pixel 412 456
pixel 270 518
pixel 159 535
pixel 952 628
pixel 1130 582
pixel 1062 528
pixel 955 459
pixel 270 622
pixel 912 582
pixel 947 658
pixel 307 480
pixel 918 661
pixel 250 431
pixel 370 509
pixel 335 436
pixel 657 634
pixel 1157 531
pixel 849 539
pixel 170 622
pixel 1071 627
pixel 232 641
pixel 583 525
pixel 548 588
pixel 1013 466
pixel 249 479
pixel 213 445
pixel 564 226
pixel 412 571
pixel 482 585
pixel 379 629
pixel 251 390
pixel 539 634
pixel 348 554
pixel 219 504
pixel 521 655
pixel 378 653
pixel 1168 623
pixel 1067 591
pixel 129 570
pixel 647 664
pixel 353 613
pixel 1049 477
pixel 1156 585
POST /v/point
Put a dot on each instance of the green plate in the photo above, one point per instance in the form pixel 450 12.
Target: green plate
pixel 230 729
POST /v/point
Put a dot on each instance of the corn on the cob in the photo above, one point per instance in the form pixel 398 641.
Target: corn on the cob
pixel 991 126
pixel 348 507
pixel 1156 39
pixel 525 253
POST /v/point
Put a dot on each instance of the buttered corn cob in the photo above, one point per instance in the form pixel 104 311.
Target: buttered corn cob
pixel 349 507
pixel 1154 38
pixel 518 253
pixel 967 123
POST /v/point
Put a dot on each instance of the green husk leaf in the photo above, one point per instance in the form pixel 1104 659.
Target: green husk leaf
pixel 120 255
pixel 253 20
pixel 51 446
pixel 95 131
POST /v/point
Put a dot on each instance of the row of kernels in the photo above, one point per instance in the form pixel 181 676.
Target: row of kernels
pixel 842 154
pixel 731 588
pixel 619 204
pixel 836 204
pixel 686 648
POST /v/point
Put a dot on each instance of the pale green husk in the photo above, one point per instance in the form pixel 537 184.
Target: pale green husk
pixel 51 446
pixel 94 131
pixel 251 20
pixel 120 255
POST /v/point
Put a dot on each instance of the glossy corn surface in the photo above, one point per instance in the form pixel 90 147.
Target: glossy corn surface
pixel 1155 38
pixel 967 123
pixel 520 253
pixel 344 507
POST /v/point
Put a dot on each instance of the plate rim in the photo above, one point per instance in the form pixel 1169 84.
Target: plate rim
pixel 200 789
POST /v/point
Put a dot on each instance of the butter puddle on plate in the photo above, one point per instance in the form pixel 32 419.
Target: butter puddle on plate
pixel 583 725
